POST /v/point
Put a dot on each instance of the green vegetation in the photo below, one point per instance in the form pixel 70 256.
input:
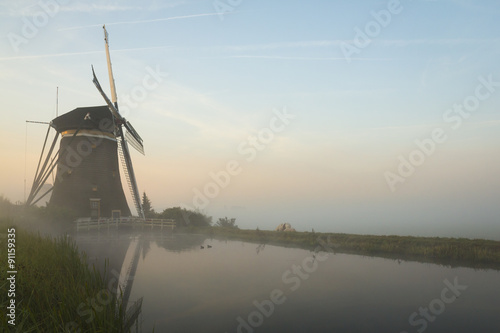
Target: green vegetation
pixel 54 287
pixel 55 290
pixel 477 253
pixel 226 223
pixel 46 219
pixel 147 207
pixel 183 217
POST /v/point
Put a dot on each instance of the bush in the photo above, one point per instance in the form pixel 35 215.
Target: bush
pixel 226 223
pixel 186 218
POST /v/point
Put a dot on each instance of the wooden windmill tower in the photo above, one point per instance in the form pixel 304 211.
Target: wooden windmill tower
pixel 87 177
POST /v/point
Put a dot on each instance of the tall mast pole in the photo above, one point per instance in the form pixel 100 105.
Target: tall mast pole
pixel 110 70
pixel 57 102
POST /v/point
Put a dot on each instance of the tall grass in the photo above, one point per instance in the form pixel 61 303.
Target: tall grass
pixel 56 291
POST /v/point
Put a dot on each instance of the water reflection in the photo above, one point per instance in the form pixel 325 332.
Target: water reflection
pixel 109 247
pixel 235 286
pixel 260 248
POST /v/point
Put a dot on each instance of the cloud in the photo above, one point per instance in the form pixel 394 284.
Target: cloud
pixel 484 124
pixel 278 57
pixel 27 8
pixel 38 56
pixel 427 126
pixel 67 54
pixel 201 111
pixel 281 45
pixel 33 9
pixel 315 44
pixel 140 21
pixel 474 6
pixel 270 57
pixel 92 8
pixel 256 47
pixel 338 42
pixel 446 41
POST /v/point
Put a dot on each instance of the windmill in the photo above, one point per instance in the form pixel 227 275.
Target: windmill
pixel 87 177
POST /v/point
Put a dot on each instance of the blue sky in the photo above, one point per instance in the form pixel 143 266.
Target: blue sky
pixel 224 75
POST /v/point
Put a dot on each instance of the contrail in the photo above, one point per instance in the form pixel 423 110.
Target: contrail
pixel 270 57
pixel 140 21
pixel 280 57
pixel 52 55
pixel 47 55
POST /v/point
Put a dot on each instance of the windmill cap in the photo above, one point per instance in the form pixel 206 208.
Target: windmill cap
pixel 91 118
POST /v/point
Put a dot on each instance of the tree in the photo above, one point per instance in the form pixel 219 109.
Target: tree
pixel 226 223
pixel 146 206
pixel 185 218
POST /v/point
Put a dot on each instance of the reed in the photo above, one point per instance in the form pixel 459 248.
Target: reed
pixel 55 287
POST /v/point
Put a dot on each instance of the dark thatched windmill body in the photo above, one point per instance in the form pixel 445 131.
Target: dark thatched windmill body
pixel 87 178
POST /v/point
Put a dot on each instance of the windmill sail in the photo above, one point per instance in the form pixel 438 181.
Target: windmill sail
pixel 111 106
pixel 110 69
pixel 120 122
pixel 128 170
pixel 134 143
pixel 132 136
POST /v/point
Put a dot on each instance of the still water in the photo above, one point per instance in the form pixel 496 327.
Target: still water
pixel 235 286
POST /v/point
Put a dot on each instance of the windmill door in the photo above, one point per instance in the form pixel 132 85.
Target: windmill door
pixel 95 208
pixel 116 214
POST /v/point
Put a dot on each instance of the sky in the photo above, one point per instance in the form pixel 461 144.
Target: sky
pixel 371 117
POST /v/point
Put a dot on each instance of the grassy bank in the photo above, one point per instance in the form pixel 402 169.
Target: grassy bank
pixel 55 291
pixel 476 253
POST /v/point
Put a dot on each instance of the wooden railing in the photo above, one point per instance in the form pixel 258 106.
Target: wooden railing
pixel 87 224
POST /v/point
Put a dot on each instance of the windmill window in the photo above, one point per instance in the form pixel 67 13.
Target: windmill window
pixel 94 204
